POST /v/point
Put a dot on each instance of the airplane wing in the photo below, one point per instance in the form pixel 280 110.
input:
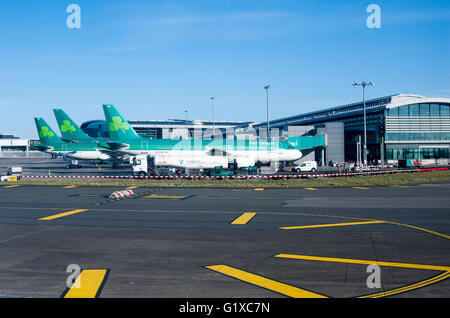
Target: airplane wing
pixel 242 160
pixel 41 148
pixel 217 152
pixel 117 146
pixel 115 154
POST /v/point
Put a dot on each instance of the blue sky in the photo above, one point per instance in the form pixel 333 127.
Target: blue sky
pixel 155 59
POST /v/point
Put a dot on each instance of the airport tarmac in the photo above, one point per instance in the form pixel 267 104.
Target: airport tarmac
pixel 45 167
pixel 237 243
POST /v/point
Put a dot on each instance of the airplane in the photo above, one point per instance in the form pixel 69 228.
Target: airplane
pixel 244 152
pixel 72 133
pixel 52 144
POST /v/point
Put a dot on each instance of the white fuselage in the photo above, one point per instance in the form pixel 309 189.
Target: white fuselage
pixel 261 156
pixel 82 155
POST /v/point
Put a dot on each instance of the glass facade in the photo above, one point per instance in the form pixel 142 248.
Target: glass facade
pixel 417 153
pixel 407 136
pixel 150 133
pixel 418 131
pixel 423 110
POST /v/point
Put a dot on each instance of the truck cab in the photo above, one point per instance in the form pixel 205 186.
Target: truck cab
pixel 140 165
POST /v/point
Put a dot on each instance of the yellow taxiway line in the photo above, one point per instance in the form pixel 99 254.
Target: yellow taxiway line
pixel 363 262
pixel 60 215
pixel 173 197
pixel 328 225
pixel 89 282
pixel 244 218
pixel 263 282
pixel 429 281
pixel 421 229
pixel 407 288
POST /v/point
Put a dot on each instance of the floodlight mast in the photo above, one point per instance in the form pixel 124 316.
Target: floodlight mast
pixel 213 122
pixel 364 84
pixel 267 104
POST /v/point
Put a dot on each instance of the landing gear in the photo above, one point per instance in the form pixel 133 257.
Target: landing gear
pixel 115 165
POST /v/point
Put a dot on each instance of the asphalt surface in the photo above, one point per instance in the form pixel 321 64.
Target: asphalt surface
pixel 168 242
pixel 58 167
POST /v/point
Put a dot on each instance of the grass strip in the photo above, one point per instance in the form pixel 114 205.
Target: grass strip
pixel 368 180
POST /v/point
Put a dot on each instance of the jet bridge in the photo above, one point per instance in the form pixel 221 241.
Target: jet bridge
pixel 310 146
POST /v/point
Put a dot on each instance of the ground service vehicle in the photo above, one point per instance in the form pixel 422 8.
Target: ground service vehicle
pixel 14 171
pixel 144 165
pixel 306 166
pixel 73 164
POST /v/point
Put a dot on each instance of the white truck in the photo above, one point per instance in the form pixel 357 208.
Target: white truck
pixel 12 174
pixel 306 166
pixel 143 165
pixel 14 171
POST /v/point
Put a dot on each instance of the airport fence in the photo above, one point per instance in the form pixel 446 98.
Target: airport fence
pixel 236 177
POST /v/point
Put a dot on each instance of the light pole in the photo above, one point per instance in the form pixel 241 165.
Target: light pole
pixel 364 84
pixel 187 128
pixel 214 125
pixel 267 102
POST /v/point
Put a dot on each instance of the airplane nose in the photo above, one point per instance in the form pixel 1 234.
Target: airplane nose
pixel 298 155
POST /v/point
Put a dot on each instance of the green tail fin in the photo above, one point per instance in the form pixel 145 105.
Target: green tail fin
pixel 46 134
pixel 69 129
pixel 117 125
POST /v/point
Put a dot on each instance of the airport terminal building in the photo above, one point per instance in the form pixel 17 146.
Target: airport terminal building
pixel 401 126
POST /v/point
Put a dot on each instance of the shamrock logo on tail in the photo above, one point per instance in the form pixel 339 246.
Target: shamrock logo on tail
pixel 117 124
pixel 46 132
pixel 67 127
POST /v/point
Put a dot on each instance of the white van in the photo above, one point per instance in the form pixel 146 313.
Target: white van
pixel 306 166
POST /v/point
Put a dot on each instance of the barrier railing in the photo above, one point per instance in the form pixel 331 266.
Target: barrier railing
pixel 250 177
